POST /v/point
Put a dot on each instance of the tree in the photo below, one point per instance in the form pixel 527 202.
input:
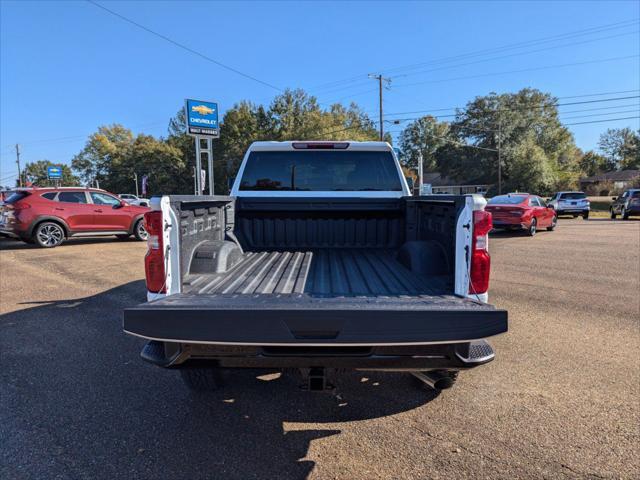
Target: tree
pixel 621 147
pixel 423 136
pixel 101 154
pixel 526 127
pixel 592 163
pixel 36 173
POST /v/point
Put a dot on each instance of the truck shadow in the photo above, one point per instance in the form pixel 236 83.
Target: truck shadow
pixel 83 404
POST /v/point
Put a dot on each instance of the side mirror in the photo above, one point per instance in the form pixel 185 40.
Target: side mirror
pixel 119 205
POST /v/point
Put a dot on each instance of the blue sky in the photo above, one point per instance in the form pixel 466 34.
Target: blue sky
pixel 69 67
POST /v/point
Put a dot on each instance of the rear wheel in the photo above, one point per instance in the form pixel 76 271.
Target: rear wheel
pixel 48 235
pixel 554 222
pixel 533 227
pixel 613 214
pixel 585 216
pixel 139 231
pixel 624 214
pixel 201 379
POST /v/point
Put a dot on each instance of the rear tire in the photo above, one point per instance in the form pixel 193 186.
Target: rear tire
pixel 139 231
pixel 48 235
pixel 533 227
pixel 554 222
pixel 613 214
pixel 201 379
pixel 585 216
pixel 624 214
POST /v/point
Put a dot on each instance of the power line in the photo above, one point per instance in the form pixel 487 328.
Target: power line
pixel 533 69
pixel 466 77
pixel 522 44
pixel 513 55
pixel 601 114
pixel 602 121
pixel 476 62
pixel 182 46
pixel 516 108
pixel 557 37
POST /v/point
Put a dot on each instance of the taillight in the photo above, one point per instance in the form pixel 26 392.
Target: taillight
pixel 480 259
pixel 154 259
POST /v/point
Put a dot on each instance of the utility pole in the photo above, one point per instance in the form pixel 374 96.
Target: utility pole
pixel 135 179
pixel 420 173
pixel 380 79
pixel 499 158
pixel 195 182
pixel 18 162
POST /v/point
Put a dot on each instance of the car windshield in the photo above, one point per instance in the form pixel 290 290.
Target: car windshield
pixel 573 196
pixel 321 170
pixel 635 194
pixel 507 200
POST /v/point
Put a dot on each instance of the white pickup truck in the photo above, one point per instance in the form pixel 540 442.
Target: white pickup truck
pixel 318 261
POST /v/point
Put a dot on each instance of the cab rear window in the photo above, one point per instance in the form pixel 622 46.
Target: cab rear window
pixel 321 170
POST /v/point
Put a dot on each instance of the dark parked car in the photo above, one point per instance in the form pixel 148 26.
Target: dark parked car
pixel 626 204
pixel 46 216
pixel 521 211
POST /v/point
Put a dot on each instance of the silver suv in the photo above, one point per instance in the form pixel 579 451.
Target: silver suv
pixel 570 203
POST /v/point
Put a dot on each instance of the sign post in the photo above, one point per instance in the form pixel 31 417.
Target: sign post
pixel 202 123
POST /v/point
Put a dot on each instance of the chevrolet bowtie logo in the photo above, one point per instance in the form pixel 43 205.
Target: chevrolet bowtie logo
pixel 202 109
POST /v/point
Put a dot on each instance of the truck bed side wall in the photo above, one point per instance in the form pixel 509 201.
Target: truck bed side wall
pixel 434 219
pixel 201 219
pixel 303 223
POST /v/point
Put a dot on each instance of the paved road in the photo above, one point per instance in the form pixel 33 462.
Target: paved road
pixel 560 401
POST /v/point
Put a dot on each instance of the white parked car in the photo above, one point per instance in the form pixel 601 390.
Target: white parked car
pixel 570 203
pixel 132 199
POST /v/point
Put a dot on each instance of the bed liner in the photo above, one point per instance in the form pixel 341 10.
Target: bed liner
pixel 319 272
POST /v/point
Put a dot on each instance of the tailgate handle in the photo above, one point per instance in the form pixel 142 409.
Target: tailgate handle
pixel 315 334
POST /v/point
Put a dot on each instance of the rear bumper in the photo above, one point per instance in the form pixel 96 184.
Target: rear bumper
pixel 570 211
pixel 7 232
pixel 509 224
pixel 457 356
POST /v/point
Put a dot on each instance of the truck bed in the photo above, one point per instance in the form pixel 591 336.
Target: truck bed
pixel 315 297
pixel 320 272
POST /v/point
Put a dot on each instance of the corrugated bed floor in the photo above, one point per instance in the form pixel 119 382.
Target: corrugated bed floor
pixel 331 272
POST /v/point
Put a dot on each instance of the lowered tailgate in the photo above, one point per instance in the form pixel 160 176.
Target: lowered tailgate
pixel 303 319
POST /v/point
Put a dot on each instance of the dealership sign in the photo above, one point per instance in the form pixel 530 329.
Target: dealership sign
pixel 54 173
pixel 202 118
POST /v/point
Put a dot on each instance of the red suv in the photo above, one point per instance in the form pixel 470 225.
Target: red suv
pixel 46 216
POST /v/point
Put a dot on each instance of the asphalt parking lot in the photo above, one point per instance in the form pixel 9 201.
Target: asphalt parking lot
pixel 561 400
